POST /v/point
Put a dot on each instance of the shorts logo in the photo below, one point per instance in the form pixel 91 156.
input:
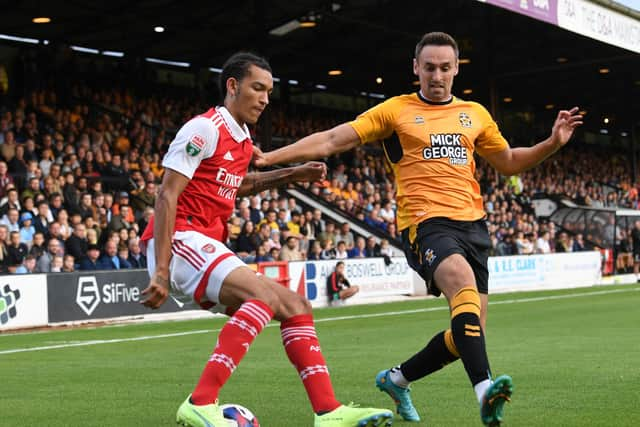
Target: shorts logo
pixel 465 120
pixel 209 248
pixel 429 256
pixel 195 145
pixel 8 298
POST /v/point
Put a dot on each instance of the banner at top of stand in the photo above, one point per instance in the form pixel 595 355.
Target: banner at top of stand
pixel 582 17
pixel 542 10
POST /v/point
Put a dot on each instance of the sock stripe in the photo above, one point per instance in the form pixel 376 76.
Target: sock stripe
pixel 256 313
pixel 225 360
pixel 299 330
pixel 471 334
pixel 244 325
pixel 313 370
pixel 472 327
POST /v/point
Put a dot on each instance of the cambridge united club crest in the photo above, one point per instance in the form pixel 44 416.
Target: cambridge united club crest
pixel 465 120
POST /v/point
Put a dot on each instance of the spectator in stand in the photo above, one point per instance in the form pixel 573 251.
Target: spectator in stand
pixel 68 264
pixel 262 254
pixel 44 262
pixel 562 243
pixel 385 248
pixel 294 223
pixel 542 244
pixel 578 244
pixel 38 246
pixel 91 261
pixel 136 258
pixel 32 190
pixel 5 179
pixel 317 222
pixel 315 253
pixel 359 250
pixel 329 233
pixel 270 219
pixel 28 265
pixel 12 220
pixel 290 251
pixel 65 227
pixel 10 201
pixel 85 209
pixel 16 249
pixel 372 249
pixel 248 241
pixel 274 254
pixel 120 220
pixel 338 287
pixel 27 230
pixel 341 250
pixel 387 213
pixel 144 219
pixel 144 197
pixel 77 244
pixel 123 255
pixel 328 251
pixel 110 260
pixel 57 263
pixel 346 235
pixel 123 200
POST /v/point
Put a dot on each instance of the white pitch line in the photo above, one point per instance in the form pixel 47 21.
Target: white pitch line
pixel 328 319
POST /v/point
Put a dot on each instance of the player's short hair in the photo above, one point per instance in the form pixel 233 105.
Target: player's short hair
pixel 436 38
pixel 237 66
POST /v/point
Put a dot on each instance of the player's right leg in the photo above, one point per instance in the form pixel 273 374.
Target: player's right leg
pixel 201 268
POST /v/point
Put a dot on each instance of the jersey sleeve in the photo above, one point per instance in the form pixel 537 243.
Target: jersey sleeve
pixel 377 122
pixel 195 141
pixel 490 140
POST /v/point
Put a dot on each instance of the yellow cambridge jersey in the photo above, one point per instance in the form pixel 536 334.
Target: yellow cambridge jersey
pixel 432 156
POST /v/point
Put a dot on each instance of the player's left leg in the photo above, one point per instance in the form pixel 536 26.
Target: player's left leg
pixel 303 350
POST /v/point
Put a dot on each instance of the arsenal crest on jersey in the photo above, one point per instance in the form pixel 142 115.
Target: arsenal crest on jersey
pixel 465 120
pixel 209 248
pixel 195 145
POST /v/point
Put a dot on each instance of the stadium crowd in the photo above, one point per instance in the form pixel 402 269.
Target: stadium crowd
pixel 78 181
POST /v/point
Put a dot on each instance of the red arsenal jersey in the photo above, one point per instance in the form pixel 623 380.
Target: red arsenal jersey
pixel 214 152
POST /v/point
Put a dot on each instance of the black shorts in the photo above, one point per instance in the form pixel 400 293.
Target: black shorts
pixel 438 238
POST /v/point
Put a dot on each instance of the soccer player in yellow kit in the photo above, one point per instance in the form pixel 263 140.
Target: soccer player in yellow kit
pixel 440 210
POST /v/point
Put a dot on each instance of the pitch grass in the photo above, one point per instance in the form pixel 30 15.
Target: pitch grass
pixel 575 361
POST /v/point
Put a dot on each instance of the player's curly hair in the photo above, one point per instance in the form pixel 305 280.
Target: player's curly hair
pixel 237 66
pixel 436 38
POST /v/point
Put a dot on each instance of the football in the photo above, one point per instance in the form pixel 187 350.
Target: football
pixel 239 416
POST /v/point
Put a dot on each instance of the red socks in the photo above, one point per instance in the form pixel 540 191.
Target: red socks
pixel 233 342
pixel 302 347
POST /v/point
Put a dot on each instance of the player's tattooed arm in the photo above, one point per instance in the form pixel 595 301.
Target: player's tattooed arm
pixel 256 182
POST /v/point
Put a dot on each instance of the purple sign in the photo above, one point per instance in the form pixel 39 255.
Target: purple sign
pixel 542 10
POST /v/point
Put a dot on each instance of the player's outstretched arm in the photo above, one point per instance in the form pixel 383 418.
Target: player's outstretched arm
pixel 173 183
pixel 256 182
pixel 513 161
pixel 315 146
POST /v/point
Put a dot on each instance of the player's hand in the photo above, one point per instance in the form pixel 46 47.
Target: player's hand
pixel 259 158
pixel 157 292
pixel 565 124
pixel 311 171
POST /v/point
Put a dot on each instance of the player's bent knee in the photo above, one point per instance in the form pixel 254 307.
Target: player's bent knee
pixel 466 300
pixel 293 304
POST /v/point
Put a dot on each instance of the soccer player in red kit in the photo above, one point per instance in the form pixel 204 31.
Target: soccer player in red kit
pixel 205 170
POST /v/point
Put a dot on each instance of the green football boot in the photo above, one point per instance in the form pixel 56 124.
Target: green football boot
pixel 353 416
pixel 497 394
pixel 191 415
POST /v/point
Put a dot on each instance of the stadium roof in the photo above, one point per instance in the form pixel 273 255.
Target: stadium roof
pixel 521 58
